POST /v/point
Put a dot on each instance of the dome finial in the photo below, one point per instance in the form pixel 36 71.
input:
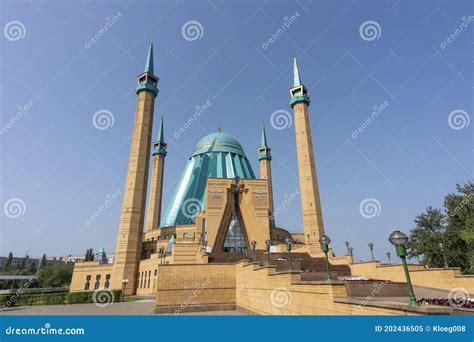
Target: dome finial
pixel 219 129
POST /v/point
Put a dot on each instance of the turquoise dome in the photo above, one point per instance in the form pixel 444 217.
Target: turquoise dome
pixel 218 142
pixel 217 155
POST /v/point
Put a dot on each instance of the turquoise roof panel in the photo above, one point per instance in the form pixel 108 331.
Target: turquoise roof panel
pixel 217 155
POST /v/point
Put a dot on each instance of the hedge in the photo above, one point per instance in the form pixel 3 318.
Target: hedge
pixel 58 298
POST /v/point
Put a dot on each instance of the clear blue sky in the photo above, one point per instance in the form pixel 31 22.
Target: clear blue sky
pixel 63 169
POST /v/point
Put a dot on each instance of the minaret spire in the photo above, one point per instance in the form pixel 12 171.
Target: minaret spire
pixel 161 133
pixel 149 60
pixel 296 73
pixel 263 141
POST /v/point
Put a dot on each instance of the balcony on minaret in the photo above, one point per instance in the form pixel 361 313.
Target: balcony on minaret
pixel 264 153
pixel 147 82
pixel 159 148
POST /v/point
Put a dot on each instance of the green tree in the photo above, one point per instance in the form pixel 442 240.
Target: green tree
pixel 55 275
pixel 22 264
pixel 89 255
pixel 8 262
pixel 33 267
pixel 43 262
pixel 449 235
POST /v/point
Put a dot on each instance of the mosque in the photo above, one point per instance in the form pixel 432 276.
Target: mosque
pixel 218 247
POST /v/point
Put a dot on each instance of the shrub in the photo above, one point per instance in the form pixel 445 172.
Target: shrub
pixel 87 296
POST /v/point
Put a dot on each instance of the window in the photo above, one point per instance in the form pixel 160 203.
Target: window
pixel 88 282
pixel 234 241
pixel 149 276
pixel 107 281
pixel 185 235
pixel 97 282
pixel 141 280
pixel 156 272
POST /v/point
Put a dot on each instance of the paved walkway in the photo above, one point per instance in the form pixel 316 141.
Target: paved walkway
pixel 140 307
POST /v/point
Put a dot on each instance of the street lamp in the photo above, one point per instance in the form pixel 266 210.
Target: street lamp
pixel 161 254
pixel 289 241
pixel 351 251
pixel 371 247
pixel 324 240
pixel 347 247
pixel 268 243
pixel 388 256
pixel 398 239
pixel 441 246
pixel 124 284
pixel 254 246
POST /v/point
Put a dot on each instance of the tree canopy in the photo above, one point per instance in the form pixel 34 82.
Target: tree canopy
pixel 446 236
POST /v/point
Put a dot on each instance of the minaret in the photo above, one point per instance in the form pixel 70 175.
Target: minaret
pixel 156 189
pixel 128 250
pixel 310 200
pixel 264 156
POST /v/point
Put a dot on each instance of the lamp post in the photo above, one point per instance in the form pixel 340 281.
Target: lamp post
pixel 347 247
pixel 441 246
pixel 254 246
pixel 161 254
pixel 371 247
pixel 268 243
pixel 124 284
pixel 398 239
pixel 351 251
pixel 324 240
pixel 388 256
pixel 289 241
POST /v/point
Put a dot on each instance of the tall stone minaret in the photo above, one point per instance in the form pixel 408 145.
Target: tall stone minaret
pixel 156 188
pixel 128 250
pixel 265 157
pixel 310 200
